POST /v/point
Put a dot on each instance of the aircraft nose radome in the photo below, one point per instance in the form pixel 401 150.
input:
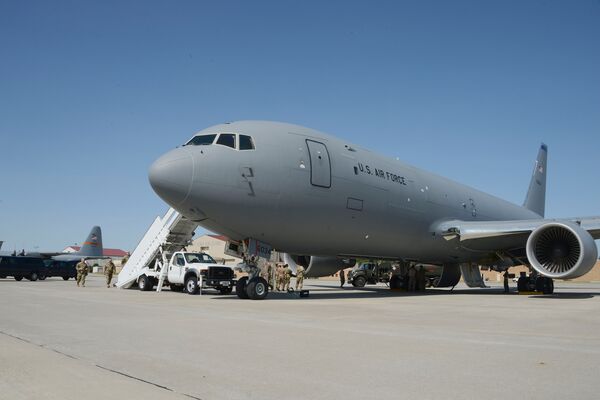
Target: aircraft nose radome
pixel 171 176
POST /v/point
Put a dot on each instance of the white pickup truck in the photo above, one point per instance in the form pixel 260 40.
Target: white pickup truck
pixel 191 272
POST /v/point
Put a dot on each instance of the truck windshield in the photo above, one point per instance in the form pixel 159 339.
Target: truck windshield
pixel 199 258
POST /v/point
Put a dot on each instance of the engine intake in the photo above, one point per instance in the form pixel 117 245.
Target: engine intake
pixel 561 250
pixel 317 266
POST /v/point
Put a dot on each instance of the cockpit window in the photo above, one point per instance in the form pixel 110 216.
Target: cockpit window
pixel 227 139
pixel 202 140
pixel 246 143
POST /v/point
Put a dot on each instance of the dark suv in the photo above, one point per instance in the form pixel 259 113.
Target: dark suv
pixel 21 267
pixel 64 269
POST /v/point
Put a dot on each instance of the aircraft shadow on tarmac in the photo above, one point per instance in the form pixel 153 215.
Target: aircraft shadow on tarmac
pixel 327 292
pixel 577 296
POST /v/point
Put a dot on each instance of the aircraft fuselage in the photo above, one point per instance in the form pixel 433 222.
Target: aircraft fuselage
pixel 305 192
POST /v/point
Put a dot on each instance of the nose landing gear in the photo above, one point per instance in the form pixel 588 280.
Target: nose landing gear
pixel 252 286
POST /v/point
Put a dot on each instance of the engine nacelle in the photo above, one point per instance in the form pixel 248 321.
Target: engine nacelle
pixel 317 266
pixel 561 250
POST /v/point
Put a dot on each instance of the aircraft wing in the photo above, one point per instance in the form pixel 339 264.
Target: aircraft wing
pixel 49 254
pixel 505 234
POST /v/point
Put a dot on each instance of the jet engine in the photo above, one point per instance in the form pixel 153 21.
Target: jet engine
pixel 317 266
pixel 561 250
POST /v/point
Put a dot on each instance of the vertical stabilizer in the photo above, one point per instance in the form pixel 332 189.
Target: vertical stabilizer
pixel 92 247
pixel 536 195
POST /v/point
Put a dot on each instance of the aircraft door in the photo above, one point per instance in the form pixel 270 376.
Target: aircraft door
pixel 320 164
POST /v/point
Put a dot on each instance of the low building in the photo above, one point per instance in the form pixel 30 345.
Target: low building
pixel 214 245
pixel 116 255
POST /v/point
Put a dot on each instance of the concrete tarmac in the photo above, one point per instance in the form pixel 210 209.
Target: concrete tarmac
pixel 58 341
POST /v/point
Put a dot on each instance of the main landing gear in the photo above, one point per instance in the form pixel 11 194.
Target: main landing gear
pixel 535 284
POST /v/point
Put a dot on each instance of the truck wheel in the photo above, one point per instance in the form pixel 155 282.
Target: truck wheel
pixel 191 285
pixel 144 283
pixel 176 288
pixel 33 277
pixel 257 289
pixel 395 282
pixel 359 281
pixel 240 288
pixel 65 278
pixel 226 290
pixel 18 278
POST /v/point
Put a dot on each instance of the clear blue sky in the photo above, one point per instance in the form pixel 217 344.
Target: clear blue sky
pixel 92 92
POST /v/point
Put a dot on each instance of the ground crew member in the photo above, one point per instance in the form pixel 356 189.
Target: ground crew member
pixel 421 279
pixel 264 272
pixel 125 259
pixel 281 278
pixel 82 271
pixel 342 277
pixel 299 277
pixel 287 277
pixel 270 276
pixel 277 277
pixel 506 289
pixel 109 270
pixel 412 281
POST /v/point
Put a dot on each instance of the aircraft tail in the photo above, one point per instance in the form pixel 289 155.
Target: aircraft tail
pixel 536 195
pixel 92 247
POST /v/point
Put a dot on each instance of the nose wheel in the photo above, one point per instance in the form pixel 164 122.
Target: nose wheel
pixel 255 288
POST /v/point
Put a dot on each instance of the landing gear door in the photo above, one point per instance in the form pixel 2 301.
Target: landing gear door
pixel 320 164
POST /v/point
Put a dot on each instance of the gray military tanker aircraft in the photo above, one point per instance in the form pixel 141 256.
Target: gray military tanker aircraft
pixel 324 202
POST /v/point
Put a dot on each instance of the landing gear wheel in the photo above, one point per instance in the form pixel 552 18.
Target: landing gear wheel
pixel 18 278
pixel 548 286
pixel 522 284
pixel 240 288
pixel 33 277
pixel 144 283
pixel 226 290
pixel 257 289
pixel 42 277
pixel 191 285
pixel 65 278
pixel 395 282
pixel 176 288
pixel 359 281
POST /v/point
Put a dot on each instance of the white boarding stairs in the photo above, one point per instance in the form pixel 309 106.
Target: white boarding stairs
pixel 165 236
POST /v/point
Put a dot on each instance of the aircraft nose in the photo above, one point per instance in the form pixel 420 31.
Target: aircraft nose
pixel 171 176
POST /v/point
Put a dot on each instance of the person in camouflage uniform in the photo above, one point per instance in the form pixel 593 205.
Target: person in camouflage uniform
pixel 270 276
pixel 278 280
pixel 109 270
pixel 82 271
pixel 299 277
pixel 125 259
pixel 287 277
